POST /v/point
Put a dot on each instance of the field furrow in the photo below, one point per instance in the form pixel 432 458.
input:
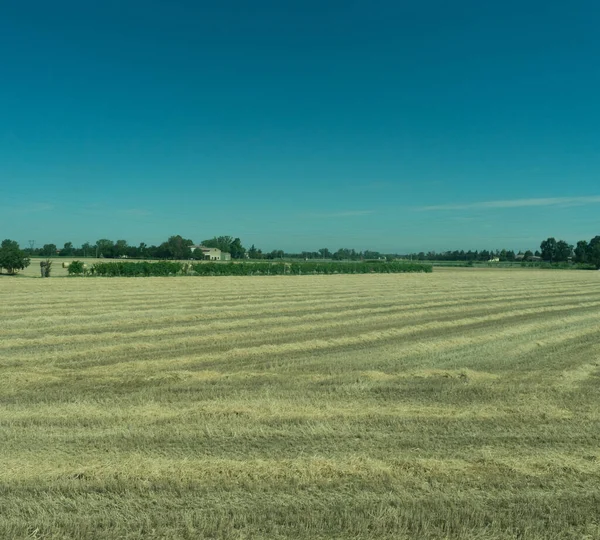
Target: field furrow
pixel 459 404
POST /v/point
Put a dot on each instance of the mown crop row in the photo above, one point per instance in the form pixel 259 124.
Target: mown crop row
pixel 173 268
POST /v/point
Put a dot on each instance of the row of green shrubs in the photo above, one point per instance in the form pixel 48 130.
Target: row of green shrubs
pixel 171 268
pixel 133 269
pixel 516 264
pixel 558 265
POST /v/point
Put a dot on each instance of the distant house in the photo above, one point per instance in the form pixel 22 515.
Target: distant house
pixel 212 254
pixel 531 258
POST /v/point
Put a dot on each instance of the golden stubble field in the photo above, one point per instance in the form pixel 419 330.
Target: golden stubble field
pixel 458 404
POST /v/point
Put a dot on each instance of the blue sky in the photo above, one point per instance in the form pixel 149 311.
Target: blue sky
pixel 388 125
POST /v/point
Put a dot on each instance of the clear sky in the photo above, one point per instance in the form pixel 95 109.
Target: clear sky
pixel 300 124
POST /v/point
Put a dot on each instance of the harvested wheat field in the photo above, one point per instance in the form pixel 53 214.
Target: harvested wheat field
pixel 459 404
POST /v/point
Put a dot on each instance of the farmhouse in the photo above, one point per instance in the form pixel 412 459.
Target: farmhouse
pixel 213 254
pixel 531 258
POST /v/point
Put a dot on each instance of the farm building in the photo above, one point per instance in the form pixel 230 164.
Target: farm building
pixel 213 254
pixel 531 258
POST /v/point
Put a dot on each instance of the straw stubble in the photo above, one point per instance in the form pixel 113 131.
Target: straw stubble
pixel 459 404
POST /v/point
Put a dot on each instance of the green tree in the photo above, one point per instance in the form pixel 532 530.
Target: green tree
pixel 12 257
pixel 548 249
pixel 48 250
pixel 104 248
pixel 368 254
pixel 176 247
pixel 594 251
pixel 68 250
pixel 581 251
pixel 198 255
pixel 527 255
pixel 120 248
pixel 142 250
pixel 563 251
pixel 87 249
pixel 220 242
pixel 276 254
pixel 253 252
pixel 345 254
pixel 236 249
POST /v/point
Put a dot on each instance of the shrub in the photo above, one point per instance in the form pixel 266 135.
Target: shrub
pixel 45 268
pixel 76 268
pixel 170 268
pixel 136 269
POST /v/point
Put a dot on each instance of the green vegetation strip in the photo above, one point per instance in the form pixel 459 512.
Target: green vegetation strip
pixel 173 268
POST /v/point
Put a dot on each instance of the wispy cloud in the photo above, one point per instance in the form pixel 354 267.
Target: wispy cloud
pixel 135 212
pixel 516 203
pixel 341 214
pixel 39 207
pixel 23 209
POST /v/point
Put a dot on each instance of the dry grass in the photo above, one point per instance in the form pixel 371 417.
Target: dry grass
pixel 459 404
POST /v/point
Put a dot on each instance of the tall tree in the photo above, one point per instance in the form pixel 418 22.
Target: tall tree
pixel 548 249
pixel 581 251
pixel 368 254
pixel 87 249
pixel 594 251
pixel 120 248
pixel 176 247
pixel 68 250
pixel 594 242
pixel 48 250
pixel 104 248
pixel 563 251
pixel 276 254
pixel 237 250
pixel 12 257
pixel 219 242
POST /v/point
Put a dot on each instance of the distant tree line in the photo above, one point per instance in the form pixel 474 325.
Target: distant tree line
pixel 13 259
pixel 176 247
pixel 551 250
